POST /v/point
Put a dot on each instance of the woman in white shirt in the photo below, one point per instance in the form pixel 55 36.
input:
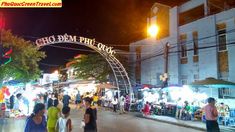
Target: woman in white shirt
pixel 115 102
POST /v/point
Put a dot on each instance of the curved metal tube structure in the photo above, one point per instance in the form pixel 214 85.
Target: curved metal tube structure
pixel 121 77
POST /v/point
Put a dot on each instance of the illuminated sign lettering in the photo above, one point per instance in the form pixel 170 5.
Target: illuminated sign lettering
pixel 75 39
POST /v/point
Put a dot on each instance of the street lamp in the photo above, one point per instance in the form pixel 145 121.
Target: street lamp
pixel 153 30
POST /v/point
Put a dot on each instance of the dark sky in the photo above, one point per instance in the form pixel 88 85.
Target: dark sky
pixel 112 22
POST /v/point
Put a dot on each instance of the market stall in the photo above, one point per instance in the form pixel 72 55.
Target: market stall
pixel 224 93
pixel 106 93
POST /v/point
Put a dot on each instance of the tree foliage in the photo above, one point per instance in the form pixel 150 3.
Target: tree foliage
pixel 92 66
pixel 25 57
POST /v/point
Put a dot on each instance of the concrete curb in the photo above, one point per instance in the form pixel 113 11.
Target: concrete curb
pixel 224 129
pixel 173 123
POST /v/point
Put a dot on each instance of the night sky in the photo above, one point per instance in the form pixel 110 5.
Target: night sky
pixel 112 22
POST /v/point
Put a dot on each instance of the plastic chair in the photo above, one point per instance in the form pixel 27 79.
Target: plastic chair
pixel 220 120
pixel 231 122
pixel 204 118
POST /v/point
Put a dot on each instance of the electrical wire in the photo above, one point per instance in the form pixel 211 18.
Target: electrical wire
pixel 121 45
pixel 179 51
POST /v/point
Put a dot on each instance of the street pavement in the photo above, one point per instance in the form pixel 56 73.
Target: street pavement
pixel 107 122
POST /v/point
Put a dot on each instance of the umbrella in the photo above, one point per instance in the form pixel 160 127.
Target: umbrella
pixel 212 82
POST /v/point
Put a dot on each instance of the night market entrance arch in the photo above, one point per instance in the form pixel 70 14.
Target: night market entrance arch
pixel 120 74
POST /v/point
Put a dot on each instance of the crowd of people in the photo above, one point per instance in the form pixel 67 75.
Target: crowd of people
pixel 122 103
pixel 210 110
pixel 47 116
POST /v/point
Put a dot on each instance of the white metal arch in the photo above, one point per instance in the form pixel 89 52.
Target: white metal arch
pixel 122 80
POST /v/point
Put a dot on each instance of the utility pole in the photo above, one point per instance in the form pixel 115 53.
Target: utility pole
pixel 166 54
pixel 166 58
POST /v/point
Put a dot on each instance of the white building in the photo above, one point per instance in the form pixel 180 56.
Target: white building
pixel 201 35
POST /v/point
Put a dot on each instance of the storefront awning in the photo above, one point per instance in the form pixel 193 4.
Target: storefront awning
pixel 215 83
pixel 108 86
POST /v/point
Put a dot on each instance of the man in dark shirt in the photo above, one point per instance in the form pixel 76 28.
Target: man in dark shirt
pixel 66 99
pixel 90 117
pixel 12 100
pixel 45 98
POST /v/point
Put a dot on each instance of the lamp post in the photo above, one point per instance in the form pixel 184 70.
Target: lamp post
pixel 153 31
pixel 165 75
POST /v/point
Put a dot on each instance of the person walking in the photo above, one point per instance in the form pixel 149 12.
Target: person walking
pixel 37 121
pixel 78 100
pixel 64 123
pixel 25 103
pixel 89 117
pixel 52 116
pixel 49 103
pixel 45 96
pixel 115 102
pixel 211 116
pixel 122 104
pixel 56 95
pixel 66 99
pixel 127 102
pixel 12 101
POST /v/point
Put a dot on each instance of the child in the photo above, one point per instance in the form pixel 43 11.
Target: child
pixel 3 109
pixel 64 124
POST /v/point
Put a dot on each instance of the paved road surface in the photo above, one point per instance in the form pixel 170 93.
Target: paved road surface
pixel 107 122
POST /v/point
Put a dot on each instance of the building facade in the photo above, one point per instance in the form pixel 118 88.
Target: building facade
pixel 201 38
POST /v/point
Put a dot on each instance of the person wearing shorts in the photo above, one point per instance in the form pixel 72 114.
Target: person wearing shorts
pixel 78 100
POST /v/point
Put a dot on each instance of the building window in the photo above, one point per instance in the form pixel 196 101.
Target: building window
pixel 195 43
pixel 221 31
pixel 191 15
pixel 196 77
pixel 225 93
pixel 184 79
pixel 184 82
pixel 183 39
pixel 184 51
pixel 222 40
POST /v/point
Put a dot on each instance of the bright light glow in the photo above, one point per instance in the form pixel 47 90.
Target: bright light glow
pixel 150 96
pixel 56 72
pixel 186 94
pixel 28 86
pixel 83 88
pixel 109 94
pixel 153 30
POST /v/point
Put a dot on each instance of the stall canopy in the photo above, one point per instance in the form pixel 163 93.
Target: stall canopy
pixel 108 86
pixel 215 83
pixel 12 82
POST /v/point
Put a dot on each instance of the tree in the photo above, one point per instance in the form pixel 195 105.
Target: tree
pixel 92 66
pixel 25 58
